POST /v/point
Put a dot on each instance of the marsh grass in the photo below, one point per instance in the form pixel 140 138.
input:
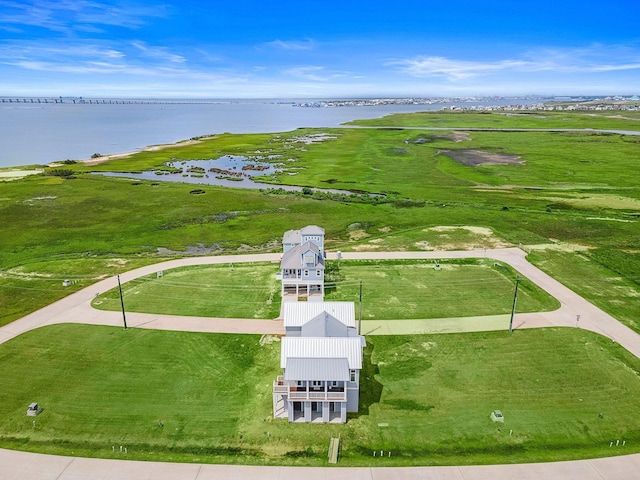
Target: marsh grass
pixel 578 120
pixel 572 187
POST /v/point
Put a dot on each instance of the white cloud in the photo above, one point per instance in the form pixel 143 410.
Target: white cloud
pixel 592 59
pixel 161 53
pixel 82 15
pixel 453 69
pixel 315 73
pixel 308 73
pixel 291 44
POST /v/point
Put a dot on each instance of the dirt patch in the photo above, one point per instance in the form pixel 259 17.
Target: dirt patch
pixel 366 247
pixel 622 117
pixel 472 229
pixel 473 158
pixel 458 137
pixel 460 238
pixel 199 249
pixel 355 235
pixel 117 262
pixel 424 245
pixel 268 340
pixel 557 247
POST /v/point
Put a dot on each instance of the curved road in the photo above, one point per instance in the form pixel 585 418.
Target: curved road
pixel 76 308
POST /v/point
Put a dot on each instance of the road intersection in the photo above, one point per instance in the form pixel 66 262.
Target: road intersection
pixel 76 308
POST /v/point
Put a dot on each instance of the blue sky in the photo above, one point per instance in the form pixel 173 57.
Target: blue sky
pixel 325 49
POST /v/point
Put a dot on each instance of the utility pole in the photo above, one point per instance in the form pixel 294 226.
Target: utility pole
pixel 124 318
pixel 513 307
pixel 360 319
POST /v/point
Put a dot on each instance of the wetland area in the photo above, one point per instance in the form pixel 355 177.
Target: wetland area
pixel 568 198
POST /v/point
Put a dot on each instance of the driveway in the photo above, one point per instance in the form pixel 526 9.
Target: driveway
pixel 76 308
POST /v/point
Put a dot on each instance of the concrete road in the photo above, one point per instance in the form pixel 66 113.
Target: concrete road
pixel 76 308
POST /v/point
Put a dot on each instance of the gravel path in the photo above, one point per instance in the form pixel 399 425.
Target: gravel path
pixel 76 308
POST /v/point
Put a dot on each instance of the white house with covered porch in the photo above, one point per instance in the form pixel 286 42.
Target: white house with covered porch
pixel 302 264
pixel 321 359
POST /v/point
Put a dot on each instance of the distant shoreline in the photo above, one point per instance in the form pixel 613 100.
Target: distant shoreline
pixel 39 134
pixel 151 148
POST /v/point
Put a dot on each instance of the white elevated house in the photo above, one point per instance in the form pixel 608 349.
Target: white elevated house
pixel 321 359
pixel 302 264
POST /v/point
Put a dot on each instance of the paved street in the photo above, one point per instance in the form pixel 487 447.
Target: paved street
pixel 76 308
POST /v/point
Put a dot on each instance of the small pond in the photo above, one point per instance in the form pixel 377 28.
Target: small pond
pixel 235 171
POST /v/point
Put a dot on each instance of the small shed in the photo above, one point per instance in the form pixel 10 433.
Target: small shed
pixel 33 410
pixel 497 416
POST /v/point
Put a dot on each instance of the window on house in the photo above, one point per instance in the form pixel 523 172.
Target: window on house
pixel 306 273
pixel 352 374
pixel 316 383
pixel 317 273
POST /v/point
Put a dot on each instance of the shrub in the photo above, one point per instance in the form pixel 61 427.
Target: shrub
pixel 59 172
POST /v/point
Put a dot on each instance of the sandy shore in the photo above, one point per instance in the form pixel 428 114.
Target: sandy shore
pixel 152 148
pixel 6 175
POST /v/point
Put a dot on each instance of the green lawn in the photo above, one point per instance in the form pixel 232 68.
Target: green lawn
pixel 391 290
pixel 240 290
pixel 419 289
pixel 565 394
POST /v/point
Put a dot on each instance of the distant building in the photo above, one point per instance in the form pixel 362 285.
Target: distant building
pixel 302 264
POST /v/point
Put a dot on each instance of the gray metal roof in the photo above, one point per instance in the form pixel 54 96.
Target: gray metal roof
pixel 292 258
pixel 323 347
pixel 328 369
pixel 291 237
pixel 297 314
pixel 294 237
pixel 312 230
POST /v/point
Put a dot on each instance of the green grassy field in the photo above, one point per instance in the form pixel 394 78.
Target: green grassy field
pixel 573 198
pixel 188 397
pixel 571 188
pixel 562 119
pixel 415 290
pixel 241 290
pixel 392 290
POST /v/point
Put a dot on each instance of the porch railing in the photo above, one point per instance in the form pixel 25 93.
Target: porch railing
pixel 302 393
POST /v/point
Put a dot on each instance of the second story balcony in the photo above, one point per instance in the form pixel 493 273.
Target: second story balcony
pixel 324 392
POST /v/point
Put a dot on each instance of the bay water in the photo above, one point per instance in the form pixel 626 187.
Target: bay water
pixel 41 133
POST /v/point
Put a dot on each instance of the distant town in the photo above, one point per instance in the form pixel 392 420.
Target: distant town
pixel 534 103
pixel 531 103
